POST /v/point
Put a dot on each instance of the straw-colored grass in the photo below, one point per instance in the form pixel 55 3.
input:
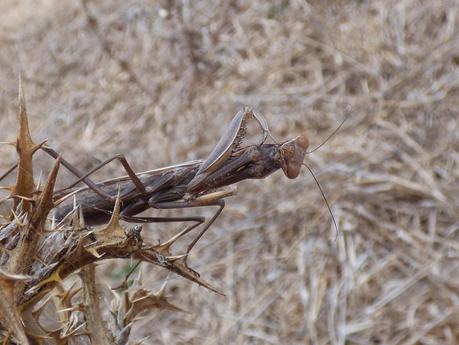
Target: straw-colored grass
pixel 158 81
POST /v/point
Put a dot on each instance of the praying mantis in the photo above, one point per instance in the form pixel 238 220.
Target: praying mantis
pixel 187 185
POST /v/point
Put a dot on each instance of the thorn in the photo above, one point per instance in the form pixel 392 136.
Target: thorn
pixel 10 188
pixel 37 189
pixel 173 258
pixel 25 185
pixel 75 216
pixel 81 218
pixel 162 289
pixel 65 197
pixel 54 277
pixel 23 198
pixel 45 203
pixel 24 132
pixel 38 308
pixel 17 218
pixel 40 260
pixel 13 277
pixel 164 303
pixel 141 341
pixel 53 223
pixel 115 219
pixel 73 308
pixel 39 146
pixel 93 251
pixel 11 143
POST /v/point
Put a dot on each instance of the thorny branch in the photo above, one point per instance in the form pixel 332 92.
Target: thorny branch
pixel 36 256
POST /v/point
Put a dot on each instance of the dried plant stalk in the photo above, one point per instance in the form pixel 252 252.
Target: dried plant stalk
pixel 37 256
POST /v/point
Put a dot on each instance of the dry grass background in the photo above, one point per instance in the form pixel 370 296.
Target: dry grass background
pixel 157 81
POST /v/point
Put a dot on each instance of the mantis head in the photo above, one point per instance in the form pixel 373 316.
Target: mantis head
pixel 292 154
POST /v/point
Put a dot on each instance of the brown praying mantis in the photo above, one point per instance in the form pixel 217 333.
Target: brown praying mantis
pixel 187 185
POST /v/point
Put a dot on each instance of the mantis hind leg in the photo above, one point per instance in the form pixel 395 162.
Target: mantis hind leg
pixel 84 177
pixel 9 171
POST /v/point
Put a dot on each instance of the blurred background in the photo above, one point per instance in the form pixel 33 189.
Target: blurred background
pixel 159 80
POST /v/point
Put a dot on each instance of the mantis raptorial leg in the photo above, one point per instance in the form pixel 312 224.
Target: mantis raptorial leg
pixel 228 144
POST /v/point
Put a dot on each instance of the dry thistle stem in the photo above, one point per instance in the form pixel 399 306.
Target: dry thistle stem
pixel 36 256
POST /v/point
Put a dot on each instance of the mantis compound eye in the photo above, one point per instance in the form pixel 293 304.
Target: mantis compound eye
pixel 293 152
